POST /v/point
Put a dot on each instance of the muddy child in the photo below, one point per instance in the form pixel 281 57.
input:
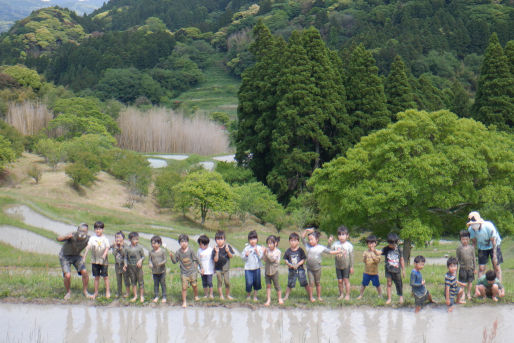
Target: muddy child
pixel 295 258
pixel 371 259
pixel 466 259
pixel 99 247
pixel 419 291
pixel 394 266
pixel 188 267
pixel 252 256
pixel 489 286
pixel 343 262
pixel 157 263
pixel 221 255
pixel 453 292
pixel 135 258
pixel 119 251
pixel 271 257
pixel 206 265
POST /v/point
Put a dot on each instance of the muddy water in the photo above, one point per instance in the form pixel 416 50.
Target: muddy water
pixel 77 323
pixel 28 241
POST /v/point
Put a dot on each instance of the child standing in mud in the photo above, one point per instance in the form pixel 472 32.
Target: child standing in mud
pixel 295 258
pixel 271 256
pixel 466 259
pixel 394 267
pixel 221 254
pixel 419 291
pixel 344 261
pixel 157 262
pixel 119 250
pixel 134 269
pixel 452 292
pixel 252 255
pixel 188 267
pixel 99 246
pixel 371 259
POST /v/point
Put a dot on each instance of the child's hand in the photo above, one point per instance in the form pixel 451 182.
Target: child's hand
pixel 226 248
pixel 217 249
pixel 351 270
pixel 330 239
pixel 247 253
pixel 256 250
pixel 139 264
pixel 403 273
pixel 171 253
pixel 124 268
pixel 423 282
pixel 448 302
pixel 201 271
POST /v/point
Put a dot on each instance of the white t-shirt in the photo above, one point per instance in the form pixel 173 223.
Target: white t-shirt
pixel 97 245
pixel 206 260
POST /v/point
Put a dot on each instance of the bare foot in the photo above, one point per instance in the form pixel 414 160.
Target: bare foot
pixel 341 297
pixel 211 296
pixel 93 297
pixel 196 298
pixel 155 300
pixel 229 297
pixel 469 296
pixel 255 299
pixel 359 297
pixel 133 300
pixel 126 295
pixel 87 295
pixel 184 305
pixel 266 303
pixel 142 299
pixel 312 300
pixel 280 302
pixel 461 302
pixel 248 298
pixel 495 298
pixel 163 300
pixel 450 309
pixel 401 300
pixel 320 299
pixel 286 297
pixel 67 296
pixel 108 295
pixel 388 301
pixel 347 297
pixel 222 297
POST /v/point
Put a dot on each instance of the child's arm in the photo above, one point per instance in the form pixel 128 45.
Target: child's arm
pixel 195 259
pixel 106 251
pixel 216 254
pixel 447 294
pixel 150 262
pixel 229 251
pixel 350 258
pixel 173 257
pixel 139 263
pixel 376 256
pixel 413 282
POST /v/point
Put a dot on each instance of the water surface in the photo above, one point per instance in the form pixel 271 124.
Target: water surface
pixel 28 241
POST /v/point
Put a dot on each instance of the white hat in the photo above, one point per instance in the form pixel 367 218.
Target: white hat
pixel 474 218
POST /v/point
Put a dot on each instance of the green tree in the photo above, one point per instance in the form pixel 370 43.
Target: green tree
pixel 494 101
pixel 204 191
pixel 509 52
pixel 24 76
pixel 6 152
pixel 51 150
pixel 164 184
pixel 419 177
pixel 256 199
pixel 397 88
pixel 80 174
pixel 460 103
pixel 132 168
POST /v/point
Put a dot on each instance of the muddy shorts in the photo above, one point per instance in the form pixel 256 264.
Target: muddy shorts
pixel 396 278
pixel 223 276
pixel 188 280
pixel 296 274
pixel 207 281
pixel 342 273
pixel 466 275
pixel 314 276
pixel 99 270
pixel 422 300
pixel 483 256
pixel 273 278
pixel 135 275
pixel 68 260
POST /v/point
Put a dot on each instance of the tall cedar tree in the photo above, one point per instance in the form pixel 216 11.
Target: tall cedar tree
pixel 494 102
pixel 397 88
pixel 366 101
pixel 509 52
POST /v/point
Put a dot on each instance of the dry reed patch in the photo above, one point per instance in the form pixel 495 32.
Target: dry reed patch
pixel 163 130
pixel 28 117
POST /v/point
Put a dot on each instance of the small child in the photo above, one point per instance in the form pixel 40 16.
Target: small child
pixel 313 261
pixel 134 268
pixel 419 291
pixel 120 265
pixel 343 262
pixel 252 255
pixel 295 258
pixel 466 259
pixel 371 258
pixel 489 286
pixel 157 262
pixel 99 246
pixel 452 292
pixel 394 266
pixel 188 267
pixel 221 254
pixel 271 256
pixel 206 265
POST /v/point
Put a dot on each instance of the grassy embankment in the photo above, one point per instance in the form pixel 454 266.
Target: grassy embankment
pixel 37 278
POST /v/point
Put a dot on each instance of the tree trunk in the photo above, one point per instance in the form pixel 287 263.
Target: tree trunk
pixel 407 246
pixel 203 210
pixel 316 162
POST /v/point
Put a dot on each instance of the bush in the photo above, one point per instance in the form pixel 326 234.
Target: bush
pixel 6 152
pixel 52 151
pixel 98 145
pixel 234 174
pixel 80 175
pixel 35 172
pixel 257 199
pixel 164 184
pixel 133 168
pixel 14 137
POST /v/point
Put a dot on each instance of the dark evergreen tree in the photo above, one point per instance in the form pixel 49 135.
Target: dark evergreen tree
pixel 427 96
pixel 509 53
pixel 494 101
pixel 459 103
pixel 397 88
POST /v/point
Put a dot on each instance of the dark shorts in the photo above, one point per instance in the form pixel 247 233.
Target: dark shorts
pixel 420 301
pixel 466 275
pixel 273 279
pixel 483 256
pixel 99 270
pixel 366 278
pixel 68 261
pixel 207 281
pixel 253 280
pixel 342 273
pixel 296 274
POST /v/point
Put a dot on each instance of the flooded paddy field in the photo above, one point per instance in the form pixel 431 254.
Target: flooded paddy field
pixel 78 323
pixel 28 241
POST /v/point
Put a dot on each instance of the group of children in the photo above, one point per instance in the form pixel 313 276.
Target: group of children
pixel 303 266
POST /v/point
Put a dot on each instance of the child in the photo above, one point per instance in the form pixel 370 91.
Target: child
pixel 157 262
pixel 371 261
pixel 99 246
pixel 394 266
pixel 295 258
pixel 489 286
pixel 466 259
pixel 271 256
pixel 344 262
pixel 252 255
pixel 221 255
pixel 120 263
pixel 206 264
pixel 188 267
pixel 452 292
pixel 419 291
pixel 313 261
pixel 134 268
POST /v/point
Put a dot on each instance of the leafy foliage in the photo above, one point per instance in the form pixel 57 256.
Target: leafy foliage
pixel 6 152
pixel 80 174
pixel 133 168
pixel 397 88
pixel 164 184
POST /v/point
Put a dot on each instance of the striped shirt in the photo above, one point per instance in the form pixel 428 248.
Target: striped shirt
pixel 450 281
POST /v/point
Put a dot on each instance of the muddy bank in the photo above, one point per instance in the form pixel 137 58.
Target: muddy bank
pixel 78 323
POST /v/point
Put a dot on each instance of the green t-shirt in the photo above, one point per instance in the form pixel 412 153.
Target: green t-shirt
pixel 74 245
pixel 483 281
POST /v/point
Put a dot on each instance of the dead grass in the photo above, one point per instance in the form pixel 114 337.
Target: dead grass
pixel 28 117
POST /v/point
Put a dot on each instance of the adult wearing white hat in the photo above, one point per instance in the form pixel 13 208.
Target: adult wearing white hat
pixel 484 235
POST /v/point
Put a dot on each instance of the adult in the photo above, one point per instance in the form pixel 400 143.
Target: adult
pixel 74 243
pixel 484 235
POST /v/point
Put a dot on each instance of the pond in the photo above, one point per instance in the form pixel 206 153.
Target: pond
pixel 80 323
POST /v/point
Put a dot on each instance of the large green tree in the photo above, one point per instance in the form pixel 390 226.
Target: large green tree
pixel 419 177
pixel 509 53
pixel 397 88
pixel 494 101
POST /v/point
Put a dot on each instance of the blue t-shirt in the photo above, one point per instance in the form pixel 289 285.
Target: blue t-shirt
pixel 484 235
pixel 416 278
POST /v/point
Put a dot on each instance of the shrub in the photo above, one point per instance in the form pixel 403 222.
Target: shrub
pixel 52 151
pixel 164 184
pixel 98 145
pixel 14 137
pixel 133 168
pixel 6 152
pixel 35 172
pixel 234 174
pixel 80 175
